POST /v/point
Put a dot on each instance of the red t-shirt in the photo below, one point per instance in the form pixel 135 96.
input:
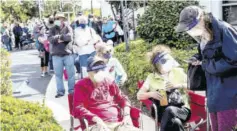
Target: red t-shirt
pixel 104 101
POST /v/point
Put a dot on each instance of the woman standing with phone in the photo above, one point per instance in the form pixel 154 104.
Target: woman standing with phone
pixel 218 58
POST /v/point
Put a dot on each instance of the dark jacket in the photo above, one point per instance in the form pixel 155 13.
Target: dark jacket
pixel 219 61
pixel 65 34
pixel 17 30
pixel 97 26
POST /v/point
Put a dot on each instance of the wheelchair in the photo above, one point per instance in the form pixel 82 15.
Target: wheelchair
pixel 84 124
pixel 199 119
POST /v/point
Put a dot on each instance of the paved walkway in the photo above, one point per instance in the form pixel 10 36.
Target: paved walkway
pixel 27 83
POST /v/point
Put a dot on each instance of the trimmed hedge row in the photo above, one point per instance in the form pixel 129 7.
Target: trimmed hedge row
pixel 19 115
pixel 5 73
pixel 158 22
pixel 136 64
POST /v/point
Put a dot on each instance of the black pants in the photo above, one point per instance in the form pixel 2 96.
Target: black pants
pixel 44 61
pixel 173 118
pixel 17 41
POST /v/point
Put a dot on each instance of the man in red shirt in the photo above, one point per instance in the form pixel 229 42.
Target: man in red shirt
pixel 99 100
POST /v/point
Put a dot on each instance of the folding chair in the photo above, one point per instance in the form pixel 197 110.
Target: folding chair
pixel 198 117
pixel 84 124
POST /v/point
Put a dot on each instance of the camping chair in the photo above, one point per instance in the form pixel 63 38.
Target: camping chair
pixel 198 113
pixel 84 124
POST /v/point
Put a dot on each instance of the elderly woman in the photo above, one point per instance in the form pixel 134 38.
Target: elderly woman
pixel 167 79
pixel 114 67
pixel 99 100
pixel 85 39
pixel 218 57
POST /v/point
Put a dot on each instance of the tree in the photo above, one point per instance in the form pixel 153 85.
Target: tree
pixel 158 22
pixel 18 10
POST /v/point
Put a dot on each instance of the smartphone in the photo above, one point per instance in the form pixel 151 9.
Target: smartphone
pixel 191 60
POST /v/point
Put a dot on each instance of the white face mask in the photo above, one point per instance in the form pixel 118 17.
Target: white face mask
pixel 167 67
pixel 194 32
pixel 101 76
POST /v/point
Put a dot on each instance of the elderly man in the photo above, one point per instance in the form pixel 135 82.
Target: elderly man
pixel 60 36
pixel 99 100
pixel 85 39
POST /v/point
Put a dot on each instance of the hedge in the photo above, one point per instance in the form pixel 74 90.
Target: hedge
pixel 5 73
pixel 19 115
pixel 137 66
pixel 159 20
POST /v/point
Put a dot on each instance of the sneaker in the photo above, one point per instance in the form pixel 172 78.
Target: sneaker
pixel 59 95
pixel 42 74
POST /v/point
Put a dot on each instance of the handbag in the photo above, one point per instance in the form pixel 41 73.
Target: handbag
pixel 42 54
pixel 175 98
pixel 196 78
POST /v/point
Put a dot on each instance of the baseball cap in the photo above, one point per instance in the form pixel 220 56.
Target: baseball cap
pixel 188 18
pixel 95 63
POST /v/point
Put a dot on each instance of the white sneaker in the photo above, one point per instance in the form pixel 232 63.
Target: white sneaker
pixel 42 74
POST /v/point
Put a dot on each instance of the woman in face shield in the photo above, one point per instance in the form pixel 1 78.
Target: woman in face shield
pixel 218 58
pixel 167 79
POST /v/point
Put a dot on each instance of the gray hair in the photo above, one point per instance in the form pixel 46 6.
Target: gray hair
pixel 83 19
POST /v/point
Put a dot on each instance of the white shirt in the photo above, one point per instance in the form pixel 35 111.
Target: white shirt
pixel 85 40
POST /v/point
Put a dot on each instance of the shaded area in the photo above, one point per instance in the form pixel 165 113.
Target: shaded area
pixel 27 82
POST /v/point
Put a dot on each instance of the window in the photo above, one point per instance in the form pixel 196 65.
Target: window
pixel 230 12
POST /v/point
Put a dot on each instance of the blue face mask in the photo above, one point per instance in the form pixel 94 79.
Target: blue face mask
pixel 83 26
pixel 107 56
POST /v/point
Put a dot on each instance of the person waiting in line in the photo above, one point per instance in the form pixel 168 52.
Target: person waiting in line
pixel 114 67
pixel 167 79
pixel 85 39
pixel 6 37
pixel 99 100
pixel 60 36
pixel 218 58
pixel 44 52
pixel 108 30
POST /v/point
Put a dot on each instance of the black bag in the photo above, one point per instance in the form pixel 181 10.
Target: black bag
pixel 176 98
pixel 196 78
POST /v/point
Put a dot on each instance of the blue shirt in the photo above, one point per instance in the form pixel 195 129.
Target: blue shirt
pixel 108 28
pixel 219 61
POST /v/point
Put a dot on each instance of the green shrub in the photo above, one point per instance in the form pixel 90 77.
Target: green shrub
pixel 5 73
pixel 158 22
pixel 137 66
pixel 18 115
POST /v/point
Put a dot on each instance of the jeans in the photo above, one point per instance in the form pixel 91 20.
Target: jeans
pixel 8 46
pixel 50 62
pixel 59 63
pixel 83 63
pixel 77 63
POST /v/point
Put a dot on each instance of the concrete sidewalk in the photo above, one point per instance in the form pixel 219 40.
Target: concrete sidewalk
pixel 60 108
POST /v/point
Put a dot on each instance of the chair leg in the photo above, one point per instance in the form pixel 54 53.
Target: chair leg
pixel 141 121
pixel 71 123
pixel 156 116
pixel 208 120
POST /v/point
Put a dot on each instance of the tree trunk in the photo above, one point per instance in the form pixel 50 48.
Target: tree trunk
pixel 112 10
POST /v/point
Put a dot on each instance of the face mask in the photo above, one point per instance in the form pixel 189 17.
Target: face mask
pixel 51 22
pixel 101 76
pixel 57 22
pixel 83 26
pixel 167 67
pixel 91 19
pixel 107 56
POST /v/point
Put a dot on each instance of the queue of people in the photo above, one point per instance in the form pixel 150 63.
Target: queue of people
pixel 102 74
pixel 87 46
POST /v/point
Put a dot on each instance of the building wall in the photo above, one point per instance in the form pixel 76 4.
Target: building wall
pixel 213 6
